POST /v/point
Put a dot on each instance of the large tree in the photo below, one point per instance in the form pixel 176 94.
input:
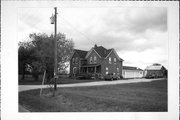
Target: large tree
pixel 39 53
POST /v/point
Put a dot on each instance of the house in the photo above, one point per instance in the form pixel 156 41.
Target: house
pixel 155 71
pixel 98 60
pixel 132 72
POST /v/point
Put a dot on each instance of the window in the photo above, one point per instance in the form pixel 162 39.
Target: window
pixel 74 70
pixel 76 60
pixel 109 60
pixel 73 60
pixel 90 60
pixel 95 59
pixel 117 69
pixel 115 60
pixel 106 68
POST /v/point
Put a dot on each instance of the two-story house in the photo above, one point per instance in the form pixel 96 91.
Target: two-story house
pixel 98 60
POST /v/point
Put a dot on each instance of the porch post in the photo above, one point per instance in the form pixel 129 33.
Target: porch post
pixel 95 69
pixel 87 69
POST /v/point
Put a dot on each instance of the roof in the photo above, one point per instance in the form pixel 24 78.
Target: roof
pixel 100 50
pixel 103 52
pixel 155 66
pixel 131 68
pixel 81 53
pixel 152 67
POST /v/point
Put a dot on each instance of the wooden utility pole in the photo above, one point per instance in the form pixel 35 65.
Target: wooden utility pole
pixel 55 49
pixel 53 19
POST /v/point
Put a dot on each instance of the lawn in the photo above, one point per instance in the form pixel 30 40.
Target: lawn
pixel 31 81
pixel 134 97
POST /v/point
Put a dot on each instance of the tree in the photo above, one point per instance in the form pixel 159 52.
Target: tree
pixel 42 55
pixel 25 56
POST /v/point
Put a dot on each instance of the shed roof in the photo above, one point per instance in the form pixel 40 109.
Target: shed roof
pixel 131 68
pixel 154 67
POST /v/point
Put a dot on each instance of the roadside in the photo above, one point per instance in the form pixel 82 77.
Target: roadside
pixel 95 83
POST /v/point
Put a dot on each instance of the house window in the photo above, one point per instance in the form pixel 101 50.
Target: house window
pixel 115 60
pixel 106 68
pixel 76 60
pixel 109 60
pixel 73 60
pixel 74 70
pixel 117 69
pixel 95 59
pixel 90 60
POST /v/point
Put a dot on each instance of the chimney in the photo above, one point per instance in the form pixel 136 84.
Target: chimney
pixel 95 46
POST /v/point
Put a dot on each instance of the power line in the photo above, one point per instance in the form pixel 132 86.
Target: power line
pixel 75 28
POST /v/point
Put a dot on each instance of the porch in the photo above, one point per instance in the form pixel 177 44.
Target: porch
pixel 91 68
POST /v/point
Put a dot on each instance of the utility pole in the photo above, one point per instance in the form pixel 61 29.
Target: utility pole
pixel 55 50
pixel 54 21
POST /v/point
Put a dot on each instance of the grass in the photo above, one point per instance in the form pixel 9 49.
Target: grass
pixel 134 97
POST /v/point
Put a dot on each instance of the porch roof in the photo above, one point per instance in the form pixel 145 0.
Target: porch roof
pixel 91 65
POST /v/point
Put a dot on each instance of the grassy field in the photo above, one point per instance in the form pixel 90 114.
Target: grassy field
pixel 134 97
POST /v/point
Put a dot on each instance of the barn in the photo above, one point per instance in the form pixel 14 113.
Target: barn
pixel 155 71
pixel 132 72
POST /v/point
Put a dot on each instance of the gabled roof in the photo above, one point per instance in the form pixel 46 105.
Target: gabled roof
pixel 154 67
pixel 131 68
pixel 103 52
pixel 112 50
pixel 81 53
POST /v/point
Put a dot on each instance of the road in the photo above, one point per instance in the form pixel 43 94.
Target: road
pixel 96 83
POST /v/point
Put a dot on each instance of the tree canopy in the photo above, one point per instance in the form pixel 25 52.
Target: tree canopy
pixel 38 53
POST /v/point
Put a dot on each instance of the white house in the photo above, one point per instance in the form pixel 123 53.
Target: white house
pixel 132 72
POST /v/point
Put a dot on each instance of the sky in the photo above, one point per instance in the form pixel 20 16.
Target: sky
pixel 139 35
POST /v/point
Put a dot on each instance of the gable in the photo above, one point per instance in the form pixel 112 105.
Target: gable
pixel 100 51
pixel 115 54
pixel 93 53
pixel 90 52
pixel 80 53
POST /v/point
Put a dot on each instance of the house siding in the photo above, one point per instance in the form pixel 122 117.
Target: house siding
pixel 94 54
pixel 112 68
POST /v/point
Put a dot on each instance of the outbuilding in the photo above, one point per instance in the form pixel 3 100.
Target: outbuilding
pixel 155 71
pixel 132 72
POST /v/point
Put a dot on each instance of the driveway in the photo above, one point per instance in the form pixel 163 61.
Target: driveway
pixel 97 83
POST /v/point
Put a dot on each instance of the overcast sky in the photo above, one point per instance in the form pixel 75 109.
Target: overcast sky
pixel 139 35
